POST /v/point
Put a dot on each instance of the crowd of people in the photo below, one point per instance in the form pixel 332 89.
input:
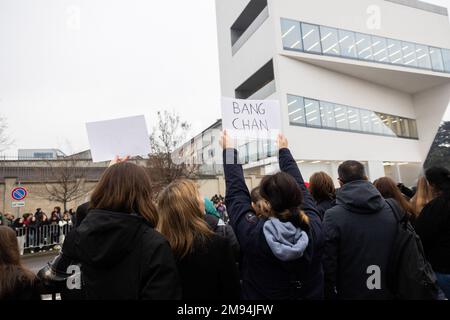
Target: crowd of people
pixel 280 241
pixel 40 231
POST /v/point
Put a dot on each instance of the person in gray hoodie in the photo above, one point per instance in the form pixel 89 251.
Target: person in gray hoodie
pixel 359 234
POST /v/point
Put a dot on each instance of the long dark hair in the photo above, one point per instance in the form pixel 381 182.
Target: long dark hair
pixel 125 187
pixel 389 190
pixel 285 198
pixel 12 273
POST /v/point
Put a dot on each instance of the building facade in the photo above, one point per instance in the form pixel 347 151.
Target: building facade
pixel 367 80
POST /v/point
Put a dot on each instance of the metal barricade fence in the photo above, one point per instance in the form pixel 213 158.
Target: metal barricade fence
pixel 42 237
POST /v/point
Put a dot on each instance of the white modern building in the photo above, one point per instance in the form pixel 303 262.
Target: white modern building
pixel 367 80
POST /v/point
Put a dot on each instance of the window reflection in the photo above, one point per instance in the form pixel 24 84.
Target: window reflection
pixel 446 59
pixel 330 42
pixel 296 110
pixel 327 114
pixel 423 56
pixel 312 112
pixel 354 119
pixel 409 54
pixel 291 34
pixel 379 48
pixel 323 114
pixel 347 43
pixel 340 112
pixel 395 51
pixel 436 59
pixel 364 46
pixel 311 38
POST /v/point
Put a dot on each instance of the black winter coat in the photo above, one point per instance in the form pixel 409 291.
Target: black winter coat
pixel 433 227
pixel 325 205
pixel 359 234
pixel 265 277
pixel 122 257
pixel 209 272
pixel 225 231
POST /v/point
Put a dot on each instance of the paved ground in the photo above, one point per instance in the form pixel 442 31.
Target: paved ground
pixel 36 261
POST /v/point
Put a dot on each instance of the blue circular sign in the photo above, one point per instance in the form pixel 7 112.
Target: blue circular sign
pixel 19 193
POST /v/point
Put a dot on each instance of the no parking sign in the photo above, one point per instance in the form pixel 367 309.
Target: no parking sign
pixel 19 193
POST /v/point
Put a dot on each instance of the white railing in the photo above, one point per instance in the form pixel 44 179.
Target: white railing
pixel 42 238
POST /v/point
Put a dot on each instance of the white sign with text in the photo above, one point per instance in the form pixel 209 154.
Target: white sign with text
pixel 253 119
pixel 121 137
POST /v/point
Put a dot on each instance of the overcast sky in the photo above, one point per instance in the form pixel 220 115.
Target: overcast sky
pixel 63 63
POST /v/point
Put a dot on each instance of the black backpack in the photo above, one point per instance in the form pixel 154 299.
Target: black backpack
pixel 409 275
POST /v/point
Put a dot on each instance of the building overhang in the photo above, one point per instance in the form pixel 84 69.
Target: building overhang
pixel 408 80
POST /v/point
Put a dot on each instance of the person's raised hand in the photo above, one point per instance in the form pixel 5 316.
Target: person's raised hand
pixel 117 159
pixel 225 141
pixel 282 142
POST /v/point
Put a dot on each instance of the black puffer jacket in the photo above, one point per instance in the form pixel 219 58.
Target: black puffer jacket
pixel 122 257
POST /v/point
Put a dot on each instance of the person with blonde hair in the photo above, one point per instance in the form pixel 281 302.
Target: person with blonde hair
pixel 205 260
pixel 422 197
pixel 389 190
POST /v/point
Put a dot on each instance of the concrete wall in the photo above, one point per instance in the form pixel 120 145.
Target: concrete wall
pixel 37 194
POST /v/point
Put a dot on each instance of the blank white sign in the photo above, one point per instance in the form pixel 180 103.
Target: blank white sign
pixel 121 137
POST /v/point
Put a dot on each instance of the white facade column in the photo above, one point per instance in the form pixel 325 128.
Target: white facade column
pixel 375 170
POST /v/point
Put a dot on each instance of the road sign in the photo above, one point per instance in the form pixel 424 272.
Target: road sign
pixel 19 193
pixel 18 204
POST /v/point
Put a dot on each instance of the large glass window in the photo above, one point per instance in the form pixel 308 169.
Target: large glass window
pixel 354 119
pixel 347 43
pixel 395 51
pixel 323 114
pixel 403 128
pixel 330 42
pixel 377 124
pixel 364 46
pixel 423 57
pixel 379 49
pixel 296 110
pixel 446 59
pixel 366 123
pixel 409 54
pixel 413 129
pixel 327 114
pixel 312 113
pixel 340 113
pixel 311 38
pixel 326 40
pixel 291 35
pixel 436 59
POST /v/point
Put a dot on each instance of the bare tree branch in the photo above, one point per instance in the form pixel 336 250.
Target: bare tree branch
pixel 65 181
pixel 5 140
pixel 164 140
